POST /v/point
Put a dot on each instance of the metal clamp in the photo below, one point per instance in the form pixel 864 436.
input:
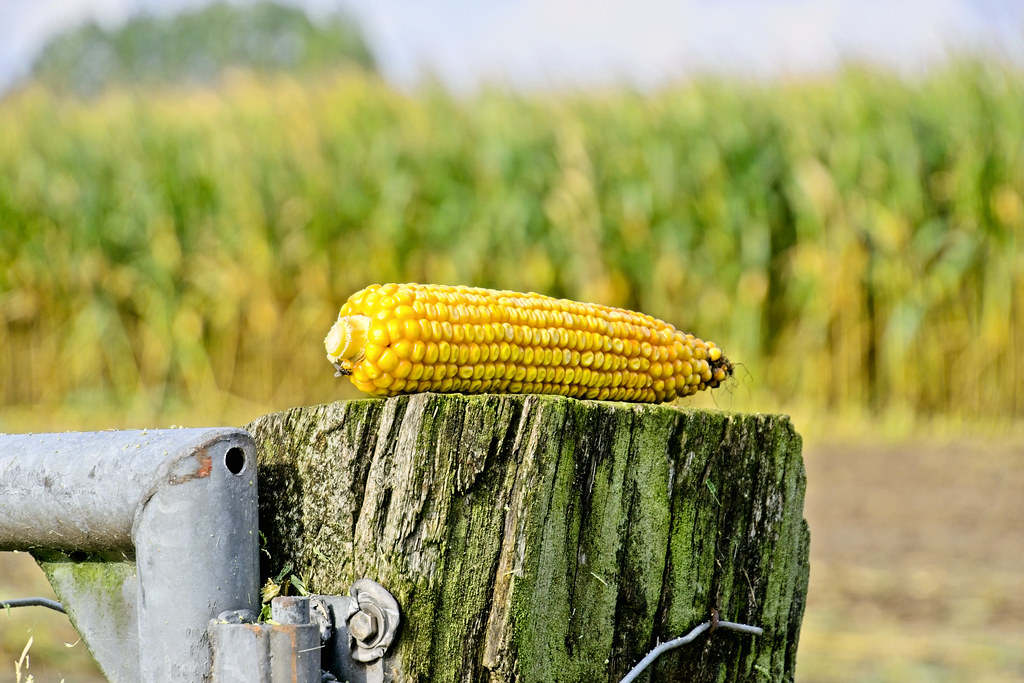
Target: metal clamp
pixel 355 631
pixel 373 620
pixel 365 626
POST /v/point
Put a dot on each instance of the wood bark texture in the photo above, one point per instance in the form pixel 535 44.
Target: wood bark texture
pixel 541 538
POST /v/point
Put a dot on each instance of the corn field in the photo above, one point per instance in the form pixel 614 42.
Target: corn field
pixel 857 243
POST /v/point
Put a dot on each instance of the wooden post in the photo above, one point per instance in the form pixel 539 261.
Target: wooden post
pixel 540 538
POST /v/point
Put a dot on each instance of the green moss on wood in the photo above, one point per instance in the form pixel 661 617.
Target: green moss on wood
pixel 538 538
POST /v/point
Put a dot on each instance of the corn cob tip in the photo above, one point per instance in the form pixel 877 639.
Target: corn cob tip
pixel 721 368
pixel 347 338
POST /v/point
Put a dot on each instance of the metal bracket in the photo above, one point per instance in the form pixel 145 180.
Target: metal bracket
pixel 365 625
pixel 121 521
pixel 312 639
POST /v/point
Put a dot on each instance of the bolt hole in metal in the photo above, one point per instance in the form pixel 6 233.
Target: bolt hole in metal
pixel 234 460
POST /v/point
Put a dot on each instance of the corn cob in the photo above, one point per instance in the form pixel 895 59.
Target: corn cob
pixel 405 338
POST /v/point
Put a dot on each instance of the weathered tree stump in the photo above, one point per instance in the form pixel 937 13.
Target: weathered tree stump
pixel 538 538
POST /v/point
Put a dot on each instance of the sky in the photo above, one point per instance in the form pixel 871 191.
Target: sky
pixel 553 43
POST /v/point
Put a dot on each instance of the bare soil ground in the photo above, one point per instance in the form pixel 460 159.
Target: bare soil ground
pixel 917 571
pixel 917 563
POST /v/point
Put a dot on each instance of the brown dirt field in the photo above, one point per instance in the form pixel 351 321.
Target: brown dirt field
pixel 917 551
pixel 917 563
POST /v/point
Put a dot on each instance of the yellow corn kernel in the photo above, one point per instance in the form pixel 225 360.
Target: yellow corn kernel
pixel 388 361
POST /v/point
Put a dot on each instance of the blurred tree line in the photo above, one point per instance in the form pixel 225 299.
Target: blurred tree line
pixel 195 47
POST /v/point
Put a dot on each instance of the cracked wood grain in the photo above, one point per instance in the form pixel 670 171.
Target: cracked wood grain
pixel 539 538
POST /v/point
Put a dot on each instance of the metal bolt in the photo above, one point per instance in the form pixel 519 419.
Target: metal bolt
pixel 362 626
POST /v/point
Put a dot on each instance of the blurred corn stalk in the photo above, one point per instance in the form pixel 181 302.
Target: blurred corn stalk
pixel 855 243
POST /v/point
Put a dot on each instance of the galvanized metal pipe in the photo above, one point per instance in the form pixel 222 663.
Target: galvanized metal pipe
pixel 181 501
pixel 82 490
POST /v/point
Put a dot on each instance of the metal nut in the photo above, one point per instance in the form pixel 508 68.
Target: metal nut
pixel 362 626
